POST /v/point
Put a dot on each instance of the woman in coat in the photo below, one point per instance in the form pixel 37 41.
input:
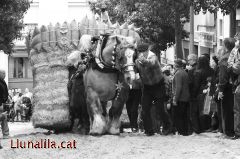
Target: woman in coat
pixel 225 89
pixel 202 76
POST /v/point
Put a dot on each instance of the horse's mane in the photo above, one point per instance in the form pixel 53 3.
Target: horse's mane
pixel 104 42
pixel 85 42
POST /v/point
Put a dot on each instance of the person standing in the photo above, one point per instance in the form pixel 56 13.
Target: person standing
pixel 28 94
pixel 3 99
pixel 216 109
pixel 152 78
pixel 181 98
pixel 194 122
pixel 234 67
pixel 202 76
pixel 225 89
pixel 132 104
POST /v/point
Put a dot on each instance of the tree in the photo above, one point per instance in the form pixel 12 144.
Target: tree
pixel 11 22
pixel 150 15
pixel 161 21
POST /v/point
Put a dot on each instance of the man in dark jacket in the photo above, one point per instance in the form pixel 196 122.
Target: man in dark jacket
pixel 153 89
pixel 181 98
pixel 3 99
pixel 77 99
pixel 192 61
pixel 233 67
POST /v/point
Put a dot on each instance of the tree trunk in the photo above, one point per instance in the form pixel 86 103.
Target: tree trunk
pixel 233 22
pixel 178 36
pixel 191 39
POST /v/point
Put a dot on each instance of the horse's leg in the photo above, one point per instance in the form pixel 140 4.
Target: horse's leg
pixel 104 107
pixel 84 116
pixel 116 111
pixel 97 121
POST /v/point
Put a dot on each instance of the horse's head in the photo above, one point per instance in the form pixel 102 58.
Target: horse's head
pixel 85 46
pixel 120 53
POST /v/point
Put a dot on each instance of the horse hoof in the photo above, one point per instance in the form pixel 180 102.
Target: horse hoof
pixel 99 126
pixel 95 134
pixel 114 131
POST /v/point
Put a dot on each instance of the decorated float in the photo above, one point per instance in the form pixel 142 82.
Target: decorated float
pixel 49 47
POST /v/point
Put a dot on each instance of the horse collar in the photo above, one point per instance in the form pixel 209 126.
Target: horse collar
pixel 99 58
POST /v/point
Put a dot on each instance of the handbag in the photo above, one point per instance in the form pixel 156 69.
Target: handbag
pixel 213 105
pixel 207 104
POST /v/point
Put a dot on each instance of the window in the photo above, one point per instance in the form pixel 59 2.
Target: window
pixel 221 27
pixel 19 67
pixel 186 53
pixel 238 26
pixel 221 42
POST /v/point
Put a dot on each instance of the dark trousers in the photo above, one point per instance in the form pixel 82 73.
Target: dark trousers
pixel 154 93
pixel 195 116
pixel 237 113
pixel 227 111
pixel 4 124
pixel 77 98
pixel 219 113
pixel 181 117
pixel 132 104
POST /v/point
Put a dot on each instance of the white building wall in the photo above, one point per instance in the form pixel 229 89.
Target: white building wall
pixel 32 15
pixel 4 64
pixel 44 12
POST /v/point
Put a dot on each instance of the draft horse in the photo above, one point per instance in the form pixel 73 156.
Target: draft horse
pixel 108 77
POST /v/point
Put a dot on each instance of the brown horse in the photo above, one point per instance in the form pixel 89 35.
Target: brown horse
pixel 107 78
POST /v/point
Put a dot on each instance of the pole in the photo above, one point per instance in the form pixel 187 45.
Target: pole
pixel 191 45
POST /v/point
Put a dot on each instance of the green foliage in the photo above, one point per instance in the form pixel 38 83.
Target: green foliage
pixel 157 18
pixel 11 22
pixel 212 6
pixel 154 17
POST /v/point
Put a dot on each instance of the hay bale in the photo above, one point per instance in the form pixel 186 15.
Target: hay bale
pixel 50 94
pixel 75 35
pixel 45 38
pixel 92 26
pixel 83 25
pixel 65 30
pixel 50 100
pixel 36 42
pixel 52 36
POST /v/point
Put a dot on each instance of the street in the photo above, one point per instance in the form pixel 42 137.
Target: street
pixel 127 145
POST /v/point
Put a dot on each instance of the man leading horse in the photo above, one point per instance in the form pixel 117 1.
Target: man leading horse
pixel 152 78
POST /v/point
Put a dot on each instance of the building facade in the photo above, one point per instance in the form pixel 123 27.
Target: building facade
pixel 41 12
pixel 209 33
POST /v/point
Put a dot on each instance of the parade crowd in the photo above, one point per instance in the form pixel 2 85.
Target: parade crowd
pixel 199 95
pixel 14 105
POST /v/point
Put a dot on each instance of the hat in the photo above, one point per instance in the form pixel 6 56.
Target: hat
pixel 142 47
pixel 178 62
pixel 206 55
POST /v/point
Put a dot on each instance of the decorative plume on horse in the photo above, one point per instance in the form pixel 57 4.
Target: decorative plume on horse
pixel 110 67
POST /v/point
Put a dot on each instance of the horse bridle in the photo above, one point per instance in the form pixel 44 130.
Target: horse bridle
pixel 123 68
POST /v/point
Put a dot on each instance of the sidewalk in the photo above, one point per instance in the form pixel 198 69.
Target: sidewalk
pixel 17 129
